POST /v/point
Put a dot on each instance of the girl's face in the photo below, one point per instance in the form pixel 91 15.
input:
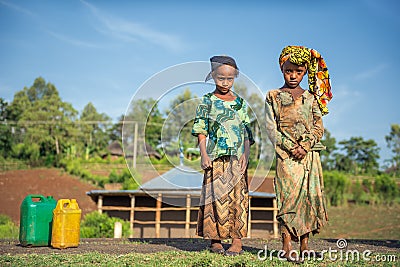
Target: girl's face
pixel 224 76
pixel 293 74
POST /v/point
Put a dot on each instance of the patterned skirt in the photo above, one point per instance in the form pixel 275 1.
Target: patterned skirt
pixel 300 195
pixel 224 201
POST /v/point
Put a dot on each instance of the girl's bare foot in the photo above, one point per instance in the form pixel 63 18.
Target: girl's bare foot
pixel 216 247
pixel 235 248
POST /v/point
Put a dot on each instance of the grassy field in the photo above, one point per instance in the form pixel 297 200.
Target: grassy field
pixel 173 258
pixel 363 222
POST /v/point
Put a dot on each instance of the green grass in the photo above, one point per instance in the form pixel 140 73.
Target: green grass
pixel 363 222
pixel 170 258
pixel 8 230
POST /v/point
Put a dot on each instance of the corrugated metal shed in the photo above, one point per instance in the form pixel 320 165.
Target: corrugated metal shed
pixel 167 206
pixel 181 180
pixel 178 178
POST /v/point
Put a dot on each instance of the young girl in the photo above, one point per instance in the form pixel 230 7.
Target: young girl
pixel 294 123
pixel 222 117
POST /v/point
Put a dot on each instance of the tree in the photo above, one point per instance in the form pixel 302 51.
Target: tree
pixel 44 120
pixel 94 129
pixel 393 142
pixel 115 131
pixel 6 138
pixel 153 128
pixel 179 120
pixel 149 121
pixel 327 155
pixel 361 155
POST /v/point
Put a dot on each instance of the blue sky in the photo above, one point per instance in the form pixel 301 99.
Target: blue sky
pixel 103 51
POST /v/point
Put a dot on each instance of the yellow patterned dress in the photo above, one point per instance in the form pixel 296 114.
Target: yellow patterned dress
pixel 298 183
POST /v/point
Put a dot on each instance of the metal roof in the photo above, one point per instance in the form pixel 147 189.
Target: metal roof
pixel 181 180
pixel 178 178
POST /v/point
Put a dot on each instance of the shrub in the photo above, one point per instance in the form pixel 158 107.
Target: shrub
pixel 100 225
pixel 28 152
pixel 114 177
pixel 336 186
pixel 125 177
pixel 368 186
pixel 359 195
pixel 386 188
pixel 7 228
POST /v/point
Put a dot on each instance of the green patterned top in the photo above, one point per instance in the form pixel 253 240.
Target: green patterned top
pixel 225 123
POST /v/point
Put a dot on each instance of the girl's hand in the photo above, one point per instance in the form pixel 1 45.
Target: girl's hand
pixel 205 162
pixel 299 152
pixel 243 161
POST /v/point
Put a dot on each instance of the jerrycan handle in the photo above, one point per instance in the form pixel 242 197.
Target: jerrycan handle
pixel 63 203
pixel 41 197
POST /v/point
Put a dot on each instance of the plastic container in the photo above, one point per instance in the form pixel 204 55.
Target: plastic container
pixel 66 224
pixel 36 214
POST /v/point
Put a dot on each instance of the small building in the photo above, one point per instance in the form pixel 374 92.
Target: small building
pixel 167 206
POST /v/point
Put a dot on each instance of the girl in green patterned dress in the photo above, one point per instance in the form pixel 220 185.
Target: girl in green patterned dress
pixel 222 128
pixel 294 123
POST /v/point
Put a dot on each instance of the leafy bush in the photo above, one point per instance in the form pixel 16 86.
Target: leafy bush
pixel 114 177
pixel 128 182
pixel 28 152
pixel 382 189
pixel 359 195
pixel 386 188
pixel 7 228
pixel 100 225
pixel 336 187
pixel 371 195
pixel 166 160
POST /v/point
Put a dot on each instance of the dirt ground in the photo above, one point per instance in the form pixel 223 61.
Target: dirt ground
pixel 16 185
pixel 125 246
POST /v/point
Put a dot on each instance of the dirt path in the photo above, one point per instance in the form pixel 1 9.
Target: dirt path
pixel 125 246
pixel 16 185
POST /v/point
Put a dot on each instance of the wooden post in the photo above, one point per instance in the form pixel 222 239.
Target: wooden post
pixel 158 215
pixel 132 216
pixel 249 220
pixel 100 204
pixel 275 213
pixel 135 140
pixel 117 230
pixel 187 221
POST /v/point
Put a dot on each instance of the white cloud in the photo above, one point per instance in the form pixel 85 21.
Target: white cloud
pixel 73 41
pixel 343 92
pixel 18 8
pixel 342 106
pixel 370 73
pixel 132 31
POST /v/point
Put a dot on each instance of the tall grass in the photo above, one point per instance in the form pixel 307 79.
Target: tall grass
pixel 341 188
pixel 8 230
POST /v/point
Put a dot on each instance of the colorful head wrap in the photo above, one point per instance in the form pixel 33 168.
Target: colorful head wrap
pixel 217 61
pixel 318 75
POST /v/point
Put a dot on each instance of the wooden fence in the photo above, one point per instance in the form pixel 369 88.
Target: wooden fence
pixel 157 210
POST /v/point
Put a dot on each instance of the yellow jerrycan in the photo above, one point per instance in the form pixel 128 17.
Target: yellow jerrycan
pixel 66 224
